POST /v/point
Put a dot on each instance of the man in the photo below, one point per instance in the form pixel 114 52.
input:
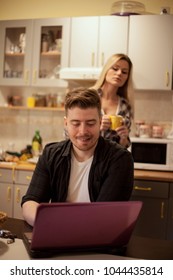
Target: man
pixel 83 168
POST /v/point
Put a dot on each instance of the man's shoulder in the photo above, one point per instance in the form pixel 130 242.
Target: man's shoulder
pixel 108 147
pixel 57 146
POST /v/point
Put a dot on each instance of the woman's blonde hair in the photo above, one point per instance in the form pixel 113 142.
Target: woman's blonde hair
pixel 123 91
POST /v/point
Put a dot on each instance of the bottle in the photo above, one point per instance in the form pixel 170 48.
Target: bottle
pixel 36 144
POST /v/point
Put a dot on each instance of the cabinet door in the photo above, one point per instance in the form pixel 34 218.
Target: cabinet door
pixel 50 51
pixel 95 39
pixel 19 192
pixel 15 55
pixel 170 215
pixel 113 35
pixel 151 51
pixel 84 41
pixel 153 218
pixel 6 198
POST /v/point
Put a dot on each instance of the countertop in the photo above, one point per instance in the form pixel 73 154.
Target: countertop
pixel 166 176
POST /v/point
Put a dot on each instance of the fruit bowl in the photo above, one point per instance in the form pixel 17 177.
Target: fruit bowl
pixel 3 217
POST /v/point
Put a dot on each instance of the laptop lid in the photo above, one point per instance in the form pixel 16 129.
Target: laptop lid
pixel 62 227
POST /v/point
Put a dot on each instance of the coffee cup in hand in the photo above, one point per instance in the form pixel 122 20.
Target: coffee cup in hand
pixel 116 121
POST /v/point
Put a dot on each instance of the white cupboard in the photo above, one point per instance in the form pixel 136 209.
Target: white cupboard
pixel 95 39
pixel 13 185
pixel 33 65
pixel 151 51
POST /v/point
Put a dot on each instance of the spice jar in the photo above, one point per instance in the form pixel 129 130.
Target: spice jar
pixel 138 123
pixel 144 131
pixel 157 131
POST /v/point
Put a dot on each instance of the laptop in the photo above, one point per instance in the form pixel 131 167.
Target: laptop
pixel 73 227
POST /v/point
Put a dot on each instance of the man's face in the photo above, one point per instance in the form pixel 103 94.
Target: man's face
pixel 83 126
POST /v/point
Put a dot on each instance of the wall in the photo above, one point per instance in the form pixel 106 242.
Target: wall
pixel 17 9
pixel 19 126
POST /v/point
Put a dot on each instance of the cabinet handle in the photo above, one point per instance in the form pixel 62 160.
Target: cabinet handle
pixel 18 195
pixel 26 78
pixel 28 178
pixel 13 174
pixel 0 174
pixel 142 188
pixel 102 58
pixel 167 78
pixel 8 193
pixel 93 59
pixel 34 76
pixel 162 210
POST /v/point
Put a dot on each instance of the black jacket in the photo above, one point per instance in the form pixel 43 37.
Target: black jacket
pixel 110 177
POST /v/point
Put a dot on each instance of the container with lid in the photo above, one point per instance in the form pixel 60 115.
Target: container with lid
pixel 126 8
pixel 145 131
pixel 157 131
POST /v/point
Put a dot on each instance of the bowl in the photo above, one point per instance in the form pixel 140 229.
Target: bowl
pixel 3 217
pixel 127 8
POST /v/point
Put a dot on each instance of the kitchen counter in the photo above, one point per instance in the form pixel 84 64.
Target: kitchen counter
pixel 18 166
pixel 166 176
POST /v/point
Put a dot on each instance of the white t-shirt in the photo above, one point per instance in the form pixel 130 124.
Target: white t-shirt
pixel 78 183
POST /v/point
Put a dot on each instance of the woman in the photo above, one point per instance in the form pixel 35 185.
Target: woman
pixel 113 87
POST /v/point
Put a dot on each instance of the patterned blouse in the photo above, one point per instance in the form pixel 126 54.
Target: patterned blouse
pixel 124 109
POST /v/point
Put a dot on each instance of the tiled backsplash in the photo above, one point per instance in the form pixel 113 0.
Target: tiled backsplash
pixel 18 126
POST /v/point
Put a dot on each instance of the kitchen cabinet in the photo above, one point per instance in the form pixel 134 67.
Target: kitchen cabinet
pixel 47 62
pixel 95 39
pixel 151 51
pixel 170 217
pixel 16 64
pixel 153 218
pixel 44 51
pixel 13 185
pixel 6 191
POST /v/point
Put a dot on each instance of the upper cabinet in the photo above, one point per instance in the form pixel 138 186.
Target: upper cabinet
pixel 33 51
pixel 50 51
pixel 151 51
pixel 16 50
pixel 95 39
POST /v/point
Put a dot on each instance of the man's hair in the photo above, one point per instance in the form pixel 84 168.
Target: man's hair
pixel 82 98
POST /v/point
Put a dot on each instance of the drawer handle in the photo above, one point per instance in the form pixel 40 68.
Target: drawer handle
pixel 142 188
pixel 18 195
pixel 0 174
pixel 28 178
pixel 162 210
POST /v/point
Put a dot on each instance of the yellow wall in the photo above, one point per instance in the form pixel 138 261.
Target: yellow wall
pixel 17 9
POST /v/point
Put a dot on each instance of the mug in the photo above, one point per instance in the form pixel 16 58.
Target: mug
pixel 116 121
pixel 31 102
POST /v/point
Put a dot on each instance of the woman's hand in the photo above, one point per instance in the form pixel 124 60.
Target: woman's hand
pixel 106 123
pixel 123 133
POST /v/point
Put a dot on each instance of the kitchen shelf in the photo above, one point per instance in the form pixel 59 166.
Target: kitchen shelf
pixel 34 108
pixel 52 53
pixel 14 54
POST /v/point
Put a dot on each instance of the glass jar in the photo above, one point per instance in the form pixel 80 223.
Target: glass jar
pixel 144 131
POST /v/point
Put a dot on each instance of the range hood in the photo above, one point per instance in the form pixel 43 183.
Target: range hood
pixel 79 73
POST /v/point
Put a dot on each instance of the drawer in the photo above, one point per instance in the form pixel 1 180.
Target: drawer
pixel 151 189
pixel 23 177
pixel 6 175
